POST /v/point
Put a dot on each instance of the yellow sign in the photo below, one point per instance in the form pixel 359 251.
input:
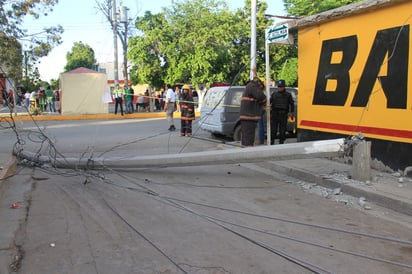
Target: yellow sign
pixel 354 74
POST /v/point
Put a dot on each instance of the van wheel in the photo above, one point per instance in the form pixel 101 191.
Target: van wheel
pixel 237 134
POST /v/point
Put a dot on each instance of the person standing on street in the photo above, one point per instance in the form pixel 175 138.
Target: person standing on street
pixel 41 97
pixel 169 107
pixel 50 99
pixel 187 111
pixel 251 104
pixel 282 107
pixel 27 99
pixel 128 98
pixel 56 95
pixel 118 98
pixel 4 97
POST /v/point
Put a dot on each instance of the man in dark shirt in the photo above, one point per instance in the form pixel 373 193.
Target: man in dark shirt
pixel 282 106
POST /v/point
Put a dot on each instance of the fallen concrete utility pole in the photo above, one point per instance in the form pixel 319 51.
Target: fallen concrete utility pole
pixel 324 148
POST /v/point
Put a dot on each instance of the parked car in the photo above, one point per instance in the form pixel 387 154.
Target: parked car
pixel 219 113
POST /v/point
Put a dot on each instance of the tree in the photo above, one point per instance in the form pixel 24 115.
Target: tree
pixel 82 55
pixel 310 7
pixel 54 83
pixel 288 72
pixel 192 42
pixel 201 42
pixel 10 57
pixel 146 51
pixel 12 36
pixel 243 42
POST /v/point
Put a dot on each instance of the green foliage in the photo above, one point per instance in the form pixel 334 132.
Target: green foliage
pixel 12 36
pixel 54 84
pixel 202 41
pixel 310 7
pixel 288 72
pixel 146 50
pixel 81 55
pixel 10 56
pixel 192 42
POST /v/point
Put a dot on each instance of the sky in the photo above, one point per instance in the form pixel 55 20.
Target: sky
pixel 82 21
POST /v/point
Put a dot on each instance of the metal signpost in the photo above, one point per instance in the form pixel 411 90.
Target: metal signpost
pixel 278 34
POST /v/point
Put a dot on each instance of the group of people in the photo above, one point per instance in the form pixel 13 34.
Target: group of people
pixel 44 99
pixel 252 106
pixel 186 104
pixel 125 95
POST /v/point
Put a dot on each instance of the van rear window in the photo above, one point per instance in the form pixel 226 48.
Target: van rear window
pixel 214 97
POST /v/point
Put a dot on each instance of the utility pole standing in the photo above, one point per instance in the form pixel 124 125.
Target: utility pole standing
pixel 125 20
pixel 116 66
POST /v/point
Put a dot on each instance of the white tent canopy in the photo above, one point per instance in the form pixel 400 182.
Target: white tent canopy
pixel 83 91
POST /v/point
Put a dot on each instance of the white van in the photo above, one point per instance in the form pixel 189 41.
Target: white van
pixel 219 113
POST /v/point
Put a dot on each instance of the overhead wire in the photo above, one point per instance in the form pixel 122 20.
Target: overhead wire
pixel 174 201
pixel 144 237
pixel 154 194
pixel 47 143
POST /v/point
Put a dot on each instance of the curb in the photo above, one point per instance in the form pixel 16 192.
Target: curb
pixel 381 200
pixel 45 117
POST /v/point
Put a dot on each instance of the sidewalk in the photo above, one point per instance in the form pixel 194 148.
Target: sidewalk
pixel 21 116
pixel 389 190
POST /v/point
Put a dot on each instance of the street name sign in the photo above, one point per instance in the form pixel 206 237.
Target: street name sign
pixel 277 33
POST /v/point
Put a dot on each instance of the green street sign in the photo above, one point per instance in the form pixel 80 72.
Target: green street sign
pixel 277 33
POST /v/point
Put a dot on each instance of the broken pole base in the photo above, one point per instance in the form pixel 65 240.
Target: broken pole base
pixel 361 165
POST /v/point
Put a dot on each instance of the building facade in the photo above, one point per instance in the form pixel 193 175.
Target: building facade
pixel 354 77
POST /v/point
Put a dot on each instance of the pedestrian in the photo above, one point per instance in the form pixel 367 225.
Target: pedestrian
pixel 261 129
pixel 157 102
pixel 178 94
pixel 50 99
pixel 27 99
pixel 19 96
pixel 140 103
pixel 146 101
pixel 132 94
pixel 187 111
pixel 42 99
pixel 4 95
pixel 282 107
pixel 118 98
pixel 195 96
pixel 251 104
pixel 170 101
pixel 128 99
pixel 33 100
pixel 10 98
pixel 56 95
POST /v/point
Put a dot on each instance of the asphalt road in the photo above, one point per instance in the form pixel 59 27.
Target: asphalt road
pixel 234 218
